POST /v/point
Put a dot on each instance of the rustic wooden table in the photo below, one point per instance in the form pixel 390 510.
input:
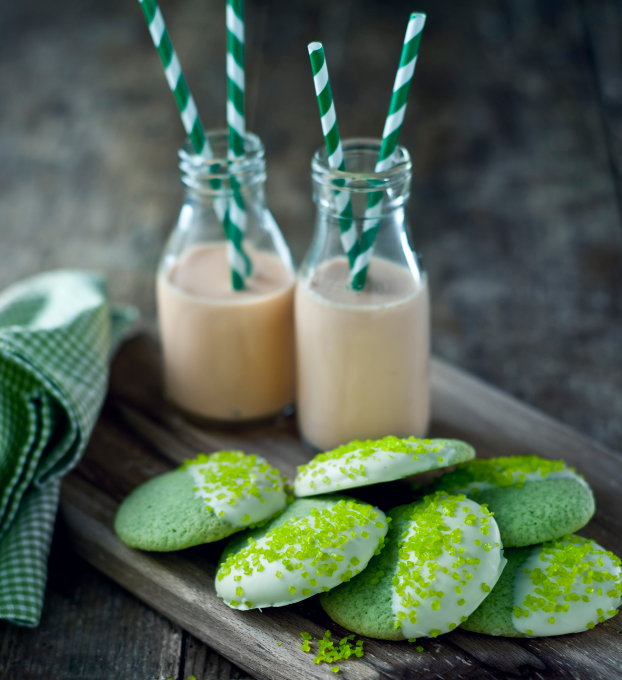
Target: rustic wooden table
pixel 515 126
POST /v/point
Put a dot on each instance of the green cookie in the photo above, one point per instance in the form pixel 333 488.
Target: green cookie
pixel 312 547
pixel 364 603
pixel 362 463
pixel 440 559
pixel 203 501
pixel 564 586
pixel 301 507
pixel 533 499
pixel 494 615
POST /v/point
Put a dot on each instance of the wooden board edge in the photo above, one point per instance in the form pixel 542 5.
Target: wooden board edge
pixel 175 587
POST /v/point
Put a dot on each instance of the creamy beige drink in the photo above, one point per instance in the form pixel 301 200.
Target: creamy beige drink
pixel 228 355
pixel 362 357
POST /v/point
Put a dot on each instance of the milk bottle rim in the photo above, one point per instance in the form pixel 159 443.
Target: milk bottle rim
pixel 360 156
pixel 214 176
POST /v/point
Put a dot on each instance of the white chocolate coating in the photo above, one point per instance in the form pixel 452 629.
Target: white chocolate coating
pixel 257 495
pixel 588 586
pixel 521 478
pixel 433 595
pixel 302 557
pixel 377 461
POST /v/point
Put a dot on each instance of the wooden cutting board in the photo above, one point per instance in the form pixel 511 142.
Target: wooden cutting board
pixel 139 435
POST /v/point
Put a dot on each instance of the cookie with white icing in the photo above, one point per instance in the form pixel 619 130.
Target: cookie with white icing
pixel 533 499
pixel 441 559
pixel 563 586
pixel 315 545
pixel 204 500
pixel 361 463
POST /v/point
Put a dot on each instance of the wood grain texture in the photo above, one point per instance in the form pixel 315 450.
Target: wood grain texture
pixel 140 435
pixel 513 206
pixel 206 664
pixel 88 631
pixel 515 134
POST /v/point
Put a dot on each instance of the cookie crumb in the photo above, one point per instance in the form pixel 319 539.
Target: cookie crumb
pixel 330 652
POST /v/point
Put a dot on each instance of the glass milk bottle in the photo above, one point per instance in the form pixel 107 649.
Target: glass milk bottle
pixel 362 356
pixel 228 354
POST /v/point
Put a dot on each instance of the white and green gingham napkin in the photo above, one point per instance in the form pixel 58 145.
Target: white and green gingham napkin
pixel 57 334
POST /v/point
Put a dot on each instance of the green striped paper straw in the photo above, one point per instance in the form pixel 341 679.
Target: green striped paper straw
pixel 192 125
pixel 390 136
pixel 174 76
pixel 236 119
pixel 349 240
pixel 236 122
pixel 235 228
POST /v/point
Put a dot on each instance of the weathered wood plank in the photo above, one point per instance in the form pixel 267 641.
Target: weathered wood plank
pixel 512 205
pixel 206 664
pixel 180 585
pixel 90 629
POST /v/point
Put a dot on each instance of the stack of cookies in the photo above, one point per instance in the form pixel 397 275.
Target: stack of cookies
pixel 489 546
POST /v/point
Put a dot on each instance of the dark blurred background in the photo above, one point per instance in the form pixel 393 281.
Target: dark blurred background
pixel 515 128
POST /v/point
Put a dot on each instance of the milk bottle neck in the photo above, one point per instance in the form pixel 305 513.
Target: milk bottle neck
pixel 224 195
pixel 360 200
pixel 218 177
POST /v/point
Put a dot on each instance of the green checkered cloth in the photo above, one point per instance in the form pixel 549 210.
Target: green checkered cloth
pixel 57 334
